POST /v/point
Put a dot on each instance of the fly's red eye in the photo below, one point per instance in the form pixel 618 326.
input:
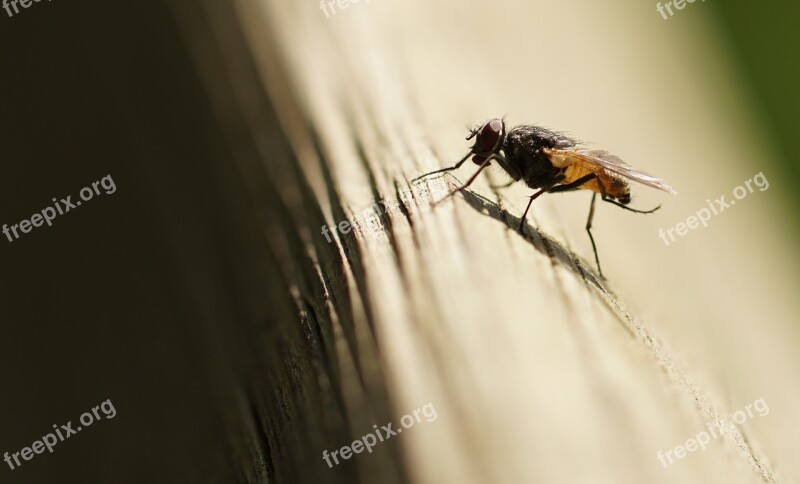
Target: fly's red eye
pixel 488 136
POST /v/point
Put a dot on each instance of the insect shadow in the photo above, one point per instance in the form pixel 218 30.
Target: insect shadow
pixel 541 242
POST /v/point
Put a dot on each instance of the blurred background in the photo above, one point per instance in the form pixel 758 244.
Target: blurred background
pixel 760 44
pixel 179 296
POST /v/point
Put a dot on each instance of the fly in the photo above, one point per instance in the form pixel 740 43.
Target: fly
pixel 552 162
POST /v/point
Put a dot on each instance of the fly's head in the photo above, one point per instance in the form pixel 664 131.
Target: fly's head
pixel 488 139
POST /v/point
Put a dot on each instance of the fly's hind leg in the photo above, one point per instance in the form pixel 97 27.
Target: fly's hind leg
pixel 575 185
pixel 604 196
pixel 614 202
pixel 591 238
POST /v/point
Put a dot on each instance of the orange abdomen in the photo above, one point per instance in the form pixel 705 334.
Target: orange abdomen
pixel 614 185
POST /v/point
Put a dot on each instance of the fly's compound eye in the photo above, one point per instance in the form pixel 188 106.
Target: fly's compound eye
pixel 487 140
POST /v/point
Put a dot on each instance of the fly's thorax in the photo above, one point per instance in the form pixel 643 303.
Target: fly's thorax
pixel 534 138
pixel 523 150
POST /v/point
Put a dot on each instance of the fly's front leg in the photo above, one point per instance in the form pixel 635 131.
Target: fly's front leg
pixel 443 170
pixel 499 187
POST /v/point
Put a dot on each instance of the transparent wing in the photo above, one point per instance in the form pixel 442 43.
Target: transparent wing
pixel 607 161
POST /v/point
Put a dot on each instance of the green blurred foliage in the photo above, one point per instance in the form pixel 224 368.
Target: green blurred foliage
pixel 764 38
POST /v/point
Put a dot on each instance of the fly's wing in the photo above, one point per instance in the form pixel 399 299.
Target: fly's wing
pixel 607 161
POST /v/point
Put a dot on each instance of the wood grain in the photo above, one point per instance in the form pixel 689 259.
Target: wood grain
pixel 538 372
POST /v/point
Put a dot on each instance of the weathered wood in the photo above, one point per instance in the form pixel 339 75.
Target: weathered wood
pixel 538 372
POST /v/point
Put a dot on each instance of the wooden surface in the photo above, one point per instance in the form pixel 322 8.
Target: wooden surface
pixel 539 370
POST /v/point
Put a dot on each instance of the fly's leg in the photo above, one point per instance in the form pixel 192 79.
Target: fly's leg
pixel 604 196
pixel 499 187
pixel 575 185
pixel 589 231
pixel 471 179
pixel 532 198
pixel 443 170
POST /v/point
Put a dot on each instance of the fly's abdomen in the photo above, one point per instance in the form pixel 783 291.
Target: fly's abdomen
pixel 615 187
